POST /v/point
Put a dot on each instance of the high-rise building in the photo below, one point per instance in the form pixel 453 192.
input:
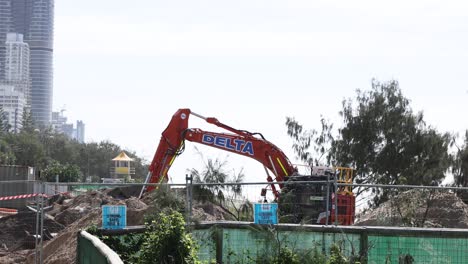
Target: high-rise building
pixel 60 125
pixel 17 64
pixel 80 131
pixel 13 103
pixel 33 19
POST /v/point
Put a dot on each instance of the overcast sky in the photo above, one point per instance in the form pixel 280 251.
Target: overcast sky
pixel 125 67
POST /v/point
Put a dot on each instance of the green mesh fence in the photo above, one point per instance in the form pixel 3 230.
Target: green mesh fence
pixel 245 244
pixel 206 241
pixel 389 249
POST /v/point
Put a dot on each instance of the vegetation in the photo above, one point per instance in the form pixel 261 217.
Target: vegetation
pixel 167 241
pixel 164 241
pixel 382 139
pixel 54 154
pixel 460 164
pixel 228 197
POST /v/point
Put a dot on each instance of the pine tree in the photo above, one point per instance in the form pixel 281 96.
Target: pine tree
pixel 28 122
pixel 4 125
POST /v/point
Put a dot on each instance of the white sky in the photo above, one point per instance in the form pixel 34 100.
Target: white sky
pixel 125 67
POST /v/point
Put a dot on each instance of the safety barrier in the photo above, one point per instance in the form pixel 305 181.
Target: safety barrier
pixel 91 250
pixel 21 196
pixel 236 242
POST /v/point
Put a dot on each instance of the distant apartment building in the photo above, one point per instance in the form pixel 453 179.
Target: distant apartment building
pixel 80 131
pixel 60 125
pixel 17 64
pixel 33 19
pixel 13 103
pixel 15 87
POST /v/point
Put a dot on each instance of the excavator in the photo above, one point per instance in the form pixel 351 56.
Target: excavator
pixel 299 200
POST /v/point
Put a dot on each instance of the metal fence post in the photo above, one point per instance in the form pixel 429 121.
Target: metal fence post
pixel 36 237
pixel 188 187
pixel 336 201
pixel 327 214
pixel 42 220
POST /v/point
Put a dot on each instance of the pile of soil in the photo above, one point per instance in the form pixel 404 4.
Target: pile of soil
pixel 208 212
pixel 69 215
pixel 17 235
pixel 419 208
pixel 17 231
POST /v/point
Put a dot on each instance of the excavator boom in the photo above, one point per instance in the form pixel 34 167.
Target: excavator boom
pixel 241 142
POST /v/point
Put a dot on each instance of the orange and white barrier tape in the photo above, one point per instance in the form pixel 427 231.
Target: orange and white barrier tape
pixel 21 196
pixel 8 211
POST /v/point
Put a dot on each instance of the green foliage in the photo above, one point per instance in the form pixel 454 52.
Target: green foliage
pixel 42 148
pixel 5 126
pixel 316 258
pixel 126 246
pixel 311 146
pixel 28 122
pixel 387 143
pixel 66 172
pixel 286 256
pixel 224 196
pixel 460 164
pixel 381 138
pixel 335 256
pixel 27 148
pixel 166 241
pixel 7 155
pixel 161 199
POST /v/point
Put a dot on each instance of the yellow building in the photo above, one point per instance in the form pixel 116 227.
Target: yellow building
pixel 122 167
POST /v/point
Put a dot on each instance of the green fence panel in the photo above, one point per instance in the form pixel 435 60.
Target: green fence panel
pixel 391 249
pixel 206 242
pixel 245 244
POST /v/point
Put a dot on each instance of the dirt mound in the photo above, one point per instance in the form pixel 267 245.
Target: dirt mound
pixel 78 214
pixel 17 231
pixel 136 210
pixel 207 212
pixel 69 215
pixel 124 192
pixel 62 249
pixel 419 208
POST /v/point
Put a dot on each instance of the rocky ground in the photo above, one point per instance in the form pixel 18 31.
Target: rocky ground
pixel 68 216
pixel 419 208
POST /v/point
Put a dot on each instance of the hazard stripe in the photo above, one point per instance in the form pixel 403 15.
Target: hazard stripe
pixel 21 196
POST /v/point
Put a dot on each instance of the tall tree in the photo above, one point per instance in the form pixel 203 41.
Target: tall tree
pixel 381 138
pixel 460 164
pixel 5 126
pixel 311 146
pixel 387 143
pixel 28 122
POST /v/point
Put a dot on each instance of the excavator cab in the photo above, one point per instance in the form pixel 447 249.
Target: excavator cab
pixel 313 202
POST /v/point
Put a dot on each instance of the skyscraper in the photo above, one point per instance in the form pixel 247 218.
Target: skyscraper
pixel 17 64
pixel 33 19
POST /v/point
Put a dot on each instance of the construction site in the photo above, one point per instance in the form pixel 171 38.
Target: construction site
pixel 232 222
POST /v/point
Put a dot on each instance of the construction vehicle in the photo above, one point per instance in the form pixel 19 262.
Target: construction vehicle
pixel 301 200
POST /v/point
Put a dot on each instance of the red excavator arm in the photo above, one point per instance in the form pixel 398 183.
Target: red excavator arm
pixel 252 145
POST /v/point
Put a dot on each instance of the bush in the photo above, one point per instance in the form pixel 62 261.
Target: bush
pixel 166 241
pixel 286 256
